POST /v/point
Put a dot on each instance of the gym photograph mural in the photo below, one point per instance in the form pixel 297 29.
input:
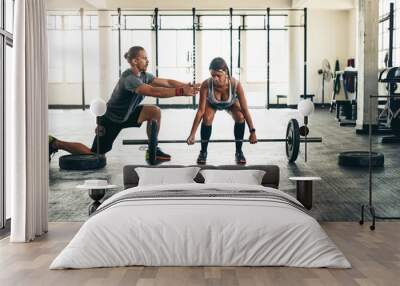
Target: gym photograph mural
pixel 163 141
pixel 125 70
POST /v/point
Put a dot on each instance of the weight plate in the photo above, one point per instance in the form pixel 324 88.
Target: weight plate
pixel 82 162
pixel 395 125
pixel 304 130
pixel 100 130
pixel 360 159
pixel 152 144
pixel 292 140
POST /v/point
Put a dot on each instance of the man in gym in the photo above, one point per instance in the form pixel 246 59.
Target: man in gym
pixel 222 92
pixel 124 109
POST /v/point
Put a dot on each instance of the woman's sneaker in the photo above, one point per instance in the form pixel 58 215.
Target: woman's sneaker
pixel 240 158
pixel 202 158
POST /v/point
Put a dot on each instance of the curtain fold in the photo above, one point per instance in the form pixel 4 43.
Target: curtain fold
pixel 28 142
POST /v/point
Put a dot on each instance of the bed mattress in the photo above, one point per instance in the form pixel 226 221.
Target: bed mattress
pixel 201 225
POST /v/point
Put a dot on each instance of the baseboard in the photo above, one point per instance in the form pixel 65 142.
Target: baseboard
pixel 322 105
pixel 316 105
pixel 178 106
pixel 391 139
pixel 162 106
pixel 375 130
pixel 68 106
pixel 183 106
pixel 277 106
pixel 347 123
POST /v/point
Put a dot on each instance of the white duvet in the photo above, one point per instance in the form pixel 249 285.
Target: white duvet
pixel 188 231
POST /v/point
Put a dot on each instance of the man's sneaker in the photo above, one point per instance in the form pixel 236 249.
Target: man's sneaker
pixel 240 158
pixel 202 159
pixel 52 147
pixel 160 155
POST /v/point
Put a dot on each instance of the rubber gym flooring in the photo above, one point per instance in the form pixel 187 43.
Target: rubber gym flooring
pixel 337 197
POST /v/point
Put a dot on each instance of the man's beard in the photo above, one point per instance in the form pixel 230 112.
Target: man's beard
pixel 143 69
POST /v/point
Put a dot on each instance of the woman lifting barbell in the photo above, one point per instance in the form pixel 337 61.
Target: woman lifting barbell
pixel 222 92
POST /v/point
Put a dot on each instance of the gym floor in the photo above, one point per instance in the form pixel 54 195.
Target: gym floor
pixel 337 197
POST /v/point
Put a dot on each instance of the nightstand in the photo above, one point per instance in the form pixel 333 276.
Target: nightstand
pixel 304 189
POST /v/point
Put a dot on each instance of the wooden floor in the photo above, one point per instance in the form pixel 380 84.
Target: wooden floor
pixel 375 257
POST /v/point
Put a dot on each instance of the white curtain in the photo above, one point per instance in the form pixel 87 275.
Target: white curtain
pixel 27 141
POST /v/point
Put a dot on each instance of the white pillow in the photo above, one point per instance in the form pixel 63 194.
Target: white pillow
pixel 166 176
pixel 248 177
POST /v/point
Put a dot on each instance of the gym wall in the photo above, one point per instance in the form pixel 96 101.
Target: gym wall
pixel 175 54
pixel 331 35
pixel 175 4
pixel 328 38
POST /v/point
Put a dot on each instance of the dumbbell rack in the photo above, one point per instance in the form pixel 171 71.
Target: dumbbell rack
pixel 370 205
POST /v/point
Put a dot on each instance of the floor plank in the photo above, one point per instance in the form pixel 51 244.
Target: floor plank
pixel 375 257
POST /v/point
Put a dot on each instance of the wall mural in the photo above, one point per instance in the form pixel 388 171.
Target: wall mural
pixel 125 66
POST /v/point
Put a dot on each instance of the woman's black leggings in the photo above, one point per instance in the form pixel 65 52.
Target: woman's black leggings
pixel 205 134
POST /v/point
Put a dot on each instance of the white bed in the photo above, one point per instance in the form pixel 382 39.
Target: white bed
pixel 201 224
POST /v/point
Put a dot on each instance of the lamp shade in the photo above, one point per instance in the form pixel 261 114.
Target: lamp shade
pixel 305 107
pixel 98 107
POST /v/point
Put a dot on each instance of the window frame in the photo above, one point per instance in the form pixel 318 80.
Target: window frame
pixel 383 33
pixel 6 39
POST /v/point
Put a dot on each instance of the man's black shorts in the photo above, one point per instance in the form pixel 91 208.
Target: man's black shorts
pixel 112 129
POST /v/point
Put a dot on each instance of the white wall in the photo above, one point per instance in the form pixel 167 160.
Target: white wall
pixel 328 38
pixel 170 4
pixel 331 35
pixel 296 56
pixel 352 35
pixel 324 4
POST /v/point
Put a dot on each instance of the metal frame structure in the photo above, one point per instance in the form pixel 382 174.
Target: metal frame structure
pixel 156 28
pixel 2 126
pixel 242 24
pixel 194 29
pixel 6 39
pixel 81 12
pixel 119 42
pixel 389 17
pixel 390 85
pixel 196 15
pixel 370 205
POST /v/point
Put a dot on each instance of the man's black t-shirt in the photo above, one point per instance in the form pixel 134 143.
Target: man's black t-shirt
pixel 124 98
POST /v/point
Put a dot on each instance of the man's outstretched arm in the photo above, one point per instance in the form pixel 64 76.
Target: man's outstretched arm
pixel 162 82
pixel 165 92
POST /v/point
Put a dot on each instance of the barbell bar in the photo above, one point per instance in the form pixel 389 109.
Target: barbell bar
pixel 271 140
pixel 292 141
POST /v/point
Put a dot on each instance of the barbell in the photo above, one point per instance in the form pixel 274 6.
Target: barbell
pixel 292 141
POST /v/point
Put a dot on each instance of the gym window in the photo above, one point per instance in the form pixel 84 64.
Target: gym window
pixel 384 8
pixel 6 44
pixel 248 58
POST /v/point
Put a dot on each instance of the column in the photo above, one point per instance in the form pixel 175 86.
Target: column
pixel 295 60
pixel 367 61
pixel 199 60
pixel 105 55
pixel 243 52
